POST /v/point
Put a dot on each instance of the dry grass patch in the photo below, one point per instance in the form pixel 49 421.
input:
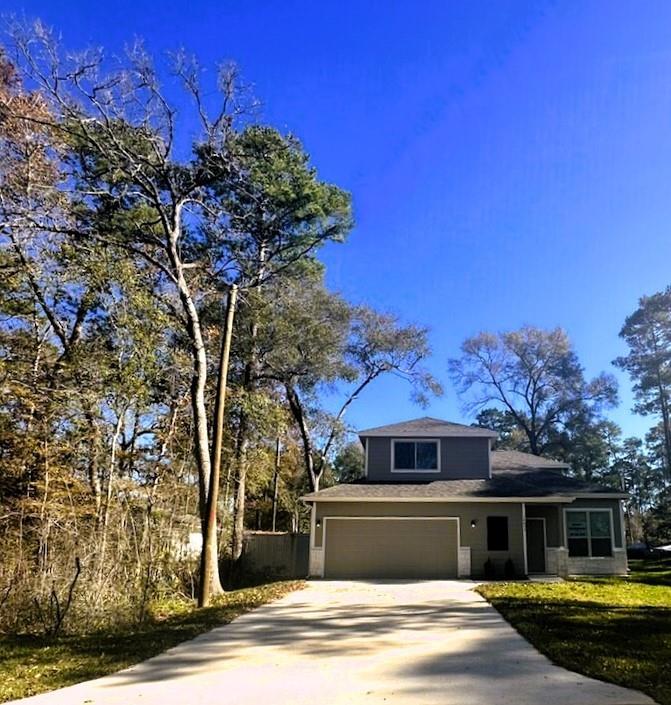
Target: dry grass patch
pixel 31 664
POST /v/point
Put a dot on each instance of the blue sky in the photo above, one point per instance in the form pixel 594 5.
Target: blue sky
pixel 510 162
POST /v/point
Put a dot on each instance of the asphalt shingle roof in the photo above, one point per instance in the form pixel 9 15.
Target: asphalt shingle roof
pixel 427 427
pixel 514 474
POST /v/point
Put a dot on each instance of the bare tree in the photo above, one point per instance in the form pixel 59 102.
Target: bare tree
pixel 129 190
pixel 533 374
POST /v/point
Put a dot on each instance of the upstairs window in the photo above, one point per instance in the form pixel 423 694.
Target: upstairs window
pixel 415 456
pixel 589 533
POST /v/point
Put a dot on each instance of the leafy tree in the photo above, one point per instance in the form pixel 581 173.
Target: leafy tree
pixel 533 374
pixel 279 214
pixel 590 446
pixel 647 332
pixel 242 207
pixel 348 464
pixel 631 471
pixel 657 523
pixel 318 343
pixel 510 436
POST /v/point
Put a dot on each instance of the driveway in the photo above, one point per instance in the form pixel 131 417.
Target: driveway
pixel 354 642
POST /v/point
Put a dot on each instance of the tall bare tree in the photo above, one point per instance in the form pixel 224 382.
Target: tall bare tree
pixel 533 374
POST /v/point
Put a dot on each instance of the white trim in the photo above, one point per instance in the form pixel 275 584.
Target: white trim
pixel 384 518
pixel 316 554
pixel 313 525
pixel 589 537
pixel 365 466
pixel 489 500
pixel 623 533
pixel 421 471
pixel 458 547
pixel 545 541
pixel 601 495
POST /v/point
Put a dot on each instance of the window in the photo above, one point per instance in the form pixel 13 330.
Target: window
pixel 415 456
pixel 589 533
pixel 497 533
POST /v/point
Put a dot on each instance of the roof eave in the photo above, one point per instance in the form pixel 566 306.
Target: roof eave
pixel 564 499
pixel 372 433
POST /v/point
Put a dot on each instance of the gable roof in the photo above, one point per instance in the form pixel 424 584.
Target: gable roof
pixel 427 427
pixel 514 474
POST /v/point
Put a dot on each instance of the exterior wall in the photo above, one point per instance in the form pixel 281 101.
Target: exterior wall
pixel 556 561
pixel 615 565
pixel 472 540
pixel 460 458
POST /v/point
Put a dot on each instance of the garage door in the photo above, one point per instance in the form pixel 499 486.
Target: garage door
pixel 390 548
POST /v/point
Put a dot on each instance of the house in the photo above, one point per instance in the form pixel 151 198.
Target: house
pixel 438 502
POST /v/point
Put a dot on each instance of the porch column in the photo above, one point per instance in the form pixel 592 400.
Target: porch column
pixel 560 524
pixel 561 559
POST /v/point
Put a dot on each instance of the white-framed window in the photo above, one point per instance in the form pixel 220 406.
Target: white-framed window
pixel 589 533
pixel 415 455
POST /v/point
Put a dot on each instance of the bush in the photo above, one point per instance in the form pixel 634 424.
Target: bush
pixel 509 570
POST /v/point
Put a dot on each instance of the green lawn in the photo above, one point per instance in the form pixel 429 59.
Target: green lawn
pixel 30 665
pixel 614 629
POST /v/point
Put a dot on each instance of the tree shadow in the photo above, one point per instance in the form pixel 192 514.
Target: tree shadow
pixel 629 645
pixel 307 629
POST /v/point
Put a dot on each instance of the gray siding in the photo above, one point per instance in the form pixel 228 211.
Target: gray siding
pixel 460 459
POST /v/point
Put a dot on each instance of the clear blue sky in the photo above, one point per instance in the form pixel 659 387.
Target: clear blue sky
pixel 510 162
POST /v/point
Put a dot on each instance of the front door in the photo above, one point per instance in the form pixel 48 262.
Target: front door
pixel 535 545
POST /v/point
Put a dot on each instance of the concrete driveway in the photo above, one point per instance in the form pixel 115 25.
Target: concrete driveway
pixel 354 642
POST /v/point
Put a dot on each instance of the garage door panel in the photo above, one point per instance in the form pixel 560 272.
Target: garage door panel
pixel 390 548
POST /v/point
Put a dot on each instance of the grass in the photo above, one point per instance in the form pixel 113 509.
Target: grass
pixel 31 665
pixel 614 629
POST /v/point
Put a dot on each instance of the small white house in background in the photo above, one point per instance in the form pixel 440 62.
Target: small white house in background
pixel 187 545
pixel 438 502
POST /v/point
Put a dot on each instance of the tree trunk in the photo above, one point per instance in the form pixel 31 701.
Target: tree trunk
pixel 198 381
pixel 276 478
pixel 666 426
pixel 109 490
pixel 249 384
pixel 209 554
pixel 240 490
pixel 308 452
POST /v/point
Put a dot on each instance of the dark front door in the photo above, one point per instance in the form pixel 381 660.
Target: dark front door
pixel 535 545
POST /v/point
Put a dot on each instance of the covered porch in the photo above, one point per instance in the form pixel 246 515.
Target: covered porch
pixel 581 537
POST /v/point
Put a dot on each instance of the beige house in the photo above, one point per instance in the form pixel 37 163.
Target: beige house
pixel 438 502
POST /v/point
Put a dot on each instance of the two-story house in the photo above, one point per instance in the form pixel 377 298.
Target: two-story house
pixel 438 502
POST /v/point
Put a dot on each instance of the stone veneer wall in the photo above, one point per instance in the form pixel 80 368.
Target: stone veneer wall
pixel 611 565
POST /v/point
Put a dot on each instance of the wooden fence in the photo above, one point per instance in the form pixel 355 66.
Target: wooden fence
pixel 280 555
